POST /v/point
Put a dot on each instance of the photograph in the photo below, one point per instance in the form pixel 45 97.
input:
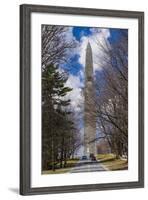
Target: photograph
pixel 81 99
pixel 84 99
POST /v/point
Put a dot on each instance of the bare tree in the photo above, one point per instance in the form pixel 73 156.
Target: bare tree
pixel 112 93
pixel 55 45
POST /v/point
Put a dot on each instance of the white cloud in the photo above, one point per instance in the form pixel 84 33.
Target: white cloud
pixel 74 81
pixel 69 35
pixel 76 94
pixel 69 38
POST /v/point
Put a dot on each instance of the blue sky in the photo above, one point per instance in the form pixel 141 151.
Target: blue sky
pixel 80 33
pixel 76 61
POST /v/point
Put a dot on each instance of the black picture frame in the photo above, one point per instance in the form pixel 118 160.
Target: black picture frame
pixel 25 98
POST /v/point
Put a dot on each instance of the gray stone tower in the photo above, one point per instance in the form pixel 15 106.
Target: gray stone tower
pixel 89 106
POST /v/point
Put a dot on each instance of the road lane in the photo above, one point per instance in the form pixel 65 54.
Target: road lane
pixel 87 166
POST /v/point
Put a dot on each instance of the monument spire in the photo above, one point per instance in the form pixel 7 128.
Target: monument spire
pixel 89 106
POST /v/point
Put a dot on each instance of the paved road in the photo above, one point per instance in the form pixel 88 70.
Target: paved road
pixel 87 166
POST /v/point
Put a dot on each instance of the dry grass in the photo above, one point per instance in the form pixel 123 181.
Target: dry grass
pixel 57 171
pixel 103 157
pixel 117 164
pixel 111 163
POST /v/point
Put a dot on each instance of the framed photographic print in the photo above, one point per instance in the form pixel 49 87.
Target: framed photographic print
pixel 81 99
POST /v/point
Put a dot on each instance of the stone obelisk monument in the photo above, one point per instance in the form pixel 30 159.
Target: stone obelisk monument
pixel 89 106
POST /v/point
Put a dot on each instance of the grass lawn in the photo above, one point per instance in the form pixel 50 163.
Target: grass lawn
pixel 57 171
pixel 70 164
pixel 111 163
